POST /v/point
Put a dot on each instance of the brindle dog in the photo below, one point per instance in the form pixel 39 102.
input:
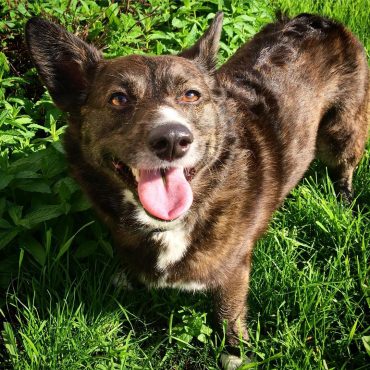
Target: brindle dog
pixel 186 163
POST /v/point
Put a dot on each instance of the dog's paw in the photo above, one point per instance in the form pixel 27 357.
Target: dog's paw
pixel 120 281
pixel 232 362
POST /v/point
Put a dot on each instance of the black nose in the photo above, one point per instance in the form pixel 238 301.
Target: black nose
pixel 170 141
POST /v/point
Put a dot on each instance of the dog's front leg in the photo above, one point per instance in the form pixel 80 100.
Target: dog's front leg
pixel 230 302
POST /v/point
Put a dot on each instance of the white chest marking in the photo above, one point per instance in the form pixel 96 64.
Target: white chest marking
pixel 174 241
pixel 174 244
pixel 186 285
pixel 190 286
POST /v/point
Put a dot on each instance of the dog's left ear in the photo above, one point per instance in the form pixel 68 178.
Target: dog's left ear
pixel 204 52
pixel 64 62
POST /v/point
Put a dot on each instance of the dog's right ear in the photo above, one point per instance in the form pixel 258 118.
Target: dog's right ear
pixel 204 52
pixel 64 62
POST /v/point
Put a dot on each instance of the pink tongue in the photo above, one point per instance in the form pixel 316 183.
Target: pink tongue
pixel 166 198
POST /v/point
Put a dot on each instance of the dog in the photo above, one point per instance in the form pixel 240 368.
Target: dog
pixel 186 163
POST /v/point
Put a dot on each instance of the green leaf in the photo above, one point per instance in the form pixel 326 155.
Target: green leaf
pixel 64 248
pixel 206 330
pixel 183 338
pixel 7 236
pixel 4 224
pixel 191 37
pixel 48 236
pixel 23 120
pixel 5 180
pixel 53 163
pixel 4 65
pixel 107 247
pixel 86 249
pixel 80 203
pixel 352 332
pixel 33 186
pixel 194 325
pixel 10 342
pixel 177 23
pixel 22 10
pixel 30 346
pixel 32 246
pixel 27 175
pixel 57 145
pixel 202 338
pixel 20 259
pixel 41 214
pixel 15 213
pixel 30 163
pixel 318 223
pixel 366 342
pixel 65 188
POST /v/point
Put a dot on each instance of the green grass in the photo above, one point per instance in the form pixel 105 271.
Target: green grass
pixel 310 297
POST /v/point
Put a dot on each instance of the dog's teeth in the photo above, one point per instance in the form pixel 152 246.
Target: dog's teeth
pixel 136 173
pixel 163 174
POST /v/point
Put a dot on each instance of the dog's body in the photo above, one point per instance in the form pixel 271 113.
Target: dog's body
pixel 235 142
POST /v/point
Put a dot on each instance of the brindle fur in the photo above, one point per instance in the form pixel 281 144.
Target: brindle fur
pixel 298 89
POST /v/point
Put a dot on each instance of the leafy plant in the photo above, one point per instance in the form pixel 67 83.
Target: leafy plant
pixel 192 326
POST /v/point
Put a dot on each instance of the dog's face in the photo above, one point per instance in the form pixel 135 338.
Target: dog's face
pixel 150 123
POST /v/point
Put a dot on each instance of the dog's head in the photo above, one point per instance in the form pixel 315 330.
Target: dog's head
pixel 149 122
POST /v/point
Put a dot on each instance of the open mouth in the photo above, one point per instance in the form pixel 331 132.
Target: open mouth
pixel 164 193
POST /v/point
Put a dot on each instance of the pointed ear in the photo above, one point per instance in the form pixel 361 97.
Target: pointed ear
pixel 64 62
pixel 204 52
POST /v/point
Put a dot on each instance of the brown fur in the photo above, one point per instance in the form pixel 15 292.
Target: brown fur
pixel 298 89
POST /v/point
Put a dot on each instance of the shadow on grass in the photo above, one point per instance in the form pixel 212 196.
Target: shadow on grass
pixel 82 293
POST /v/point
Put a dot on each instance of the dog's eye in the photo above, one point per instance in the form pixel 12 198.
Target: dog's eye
pixel 118 99
pixel 190 96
